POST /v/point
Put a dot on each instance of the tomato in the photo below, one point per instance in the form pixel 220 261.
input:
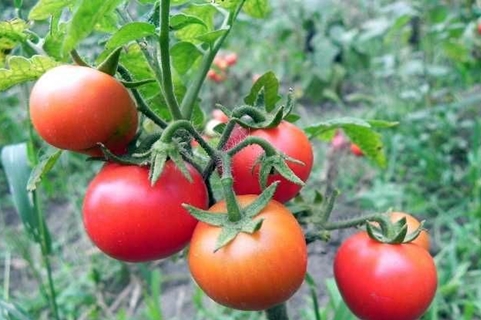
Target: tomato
pixel 129 220
pixel 338 141
pixel 214 76
pixel 381 281
pixel 220 62
pixel 412 223
pixel 231 59
pixel 287 138
pixel 356 150
pixel 219 115
pixel 75 107
pixel 254 271
pixel 479 28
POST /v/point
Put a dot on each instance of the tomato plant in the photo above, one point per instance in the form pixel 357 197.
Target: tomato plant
pixel 254 271
pixel 76 107
pixel 287 138
pixel 381 281
pixel 412 224
pixel 131 220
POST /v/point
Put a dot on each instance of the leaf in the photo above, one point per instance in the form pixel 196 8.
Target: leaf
pixel 360 132
pixel 184 54
pixel 85 18
pixel 17 169
pixel 205 13
pixel 11 34
pixel 42 168
pixel 43 9
pixel 266 88
pixel 257 8
pixel 23 69
pixel 182 20
pixel 130 32
pixel 212 37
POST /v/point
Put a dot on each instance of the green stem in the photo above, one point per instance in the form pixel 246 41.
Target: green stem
pixel 253 112
pixel 187 105
pixel 328 204
pixel 264 144
pixel 209 168
pixel 354 222
pixel 167 85
pixel 278 312
pixel 186 125
pixel 233 209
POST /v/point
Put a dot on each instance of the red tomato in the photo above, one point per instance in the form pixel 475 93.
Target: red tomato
pixel 219 115
pixel 381 281
pixel 356 150
pixel 254 271
pixel 74 108
pixel 479 28
pixel 287 138
pixel 220 62
pixel 231 59
pixel 214 76
pixel 130 220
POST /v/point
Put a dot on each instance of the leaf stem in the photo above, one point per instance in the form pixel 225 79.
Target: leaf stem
pixel 164 46
pixel 354 222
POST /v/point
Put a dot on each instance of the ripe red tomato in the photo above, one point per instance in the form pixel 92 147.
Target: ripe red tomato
pixel 75 107
pixel 381 281
pixel 129 220
pixel 231 59
pixel 356 150
pixel 254 271
pixel 287 138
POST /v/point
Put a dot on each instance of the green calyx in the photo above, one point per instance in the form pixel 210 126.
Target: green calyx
pixel 245 222
pixel 277 164
pixel 389 232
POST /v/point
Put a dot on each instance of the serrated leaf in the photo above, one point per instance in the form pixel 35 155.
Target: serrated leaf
pixel 13 30
pixel 182 20
pixel 257 8
pixel 22 69
pixel 43 9
pixel 85 18
pixel 184 54
pixel 130 32
pixel 17 169
pixel 45 164
pixel 268 86
pixel 211 37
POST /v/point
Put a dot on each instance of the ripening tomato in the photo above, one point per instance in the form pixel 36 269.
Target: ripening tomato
pixel 130 220
pixel 215 76
pixel 254 271
pixel 219 115
pixel 479 28
pixel 231 59
pixel 355 150
pixel 220 62
pixel 75 107
pixel 287 138
pixel 380 281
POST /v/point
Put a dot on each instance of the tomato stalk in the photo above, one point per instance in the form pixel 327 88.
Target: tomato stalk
pixel 167 85
pixel 233 210
pixel 187 105
pixel 278 312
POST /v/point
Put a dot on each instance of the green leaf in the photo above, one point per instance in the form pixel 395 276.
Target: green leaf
pixel 184 54
pixel 43 9
pixel 23 69
pixel 265 89
pixel 130 32
pixel 360 132
pixel 226 235
pixel 17 169
pixel 257 8
pixel 45 164
pixel 205 13
pixel 182 20
pixel 211 37
pixel 213 219
pixel 87 15
pixel 261 201
pixel 13 30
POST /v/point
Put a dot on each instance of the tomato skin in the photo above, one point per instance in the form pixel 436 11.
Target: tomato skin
pixel 287 138
pixel 129 220
pixel 254 271
pixel 75 107
pixel 384 281
pixel 355 150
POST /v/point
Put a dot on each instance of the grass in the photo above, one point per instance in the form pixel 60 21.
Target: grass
pixel 433 171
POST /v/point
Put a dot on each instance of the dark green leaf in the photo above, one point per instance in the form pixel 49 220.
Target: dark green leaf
pixel 45 164
pixel 44 9
pixel 184 54
pixel 22 70
pixel 17 169
pixel 267 86
pixel 130 32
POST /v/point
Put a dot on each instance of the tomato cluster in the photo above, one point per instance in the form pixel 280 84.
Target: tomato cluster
pixel 221 65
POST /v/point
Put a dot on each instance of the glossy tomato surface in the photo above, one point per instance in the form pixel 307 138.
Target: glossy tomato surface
pixel 385 281
pixel 75 107
pixel 287 138
pixel 254 271
pixel 129 220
